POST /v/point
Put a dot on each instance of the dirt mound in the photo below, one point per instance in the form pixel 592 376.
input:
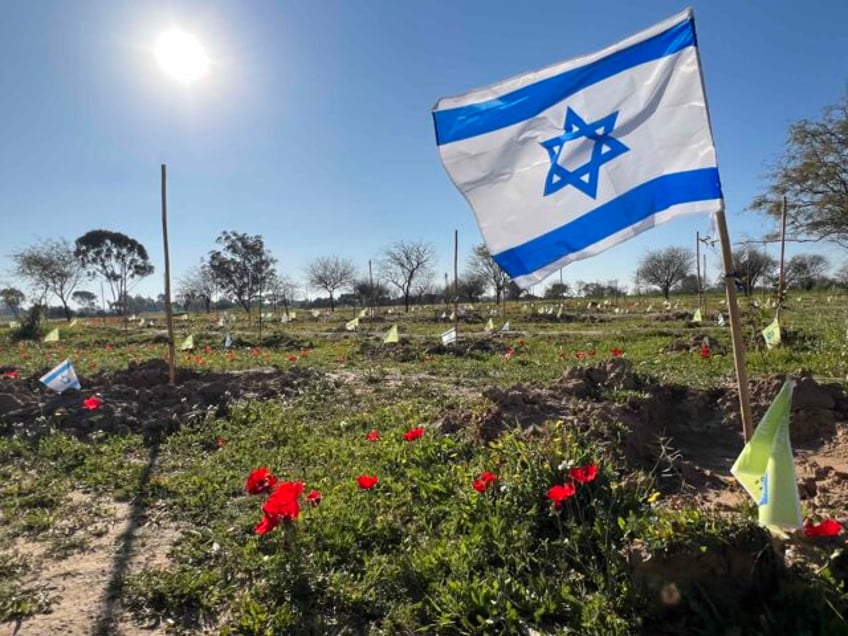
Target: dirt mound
pixel 551 318
pixel 402 351
pixel 139 399
pixel 694 343
pixel 470 348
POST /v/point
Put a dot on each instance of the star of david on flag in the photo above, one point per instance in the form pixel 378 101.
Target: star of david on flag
pixel 565 162
pixel 604 148
pixel 61 378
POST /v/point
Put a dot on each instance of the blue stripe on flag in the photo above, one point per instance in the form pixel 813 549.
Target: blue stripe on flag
pixel 55 373
pixel 629 209
pixel 455 124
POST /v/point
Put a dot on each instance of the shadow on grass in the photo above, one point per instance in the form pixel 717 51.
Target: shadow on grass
pixel 105 624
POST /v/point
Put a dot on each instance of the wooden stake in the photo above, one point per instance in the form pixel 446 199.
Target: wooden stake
pixel 169 316
pixel 455 282
pixel 780 280
pixel 698 269
pixel 735 327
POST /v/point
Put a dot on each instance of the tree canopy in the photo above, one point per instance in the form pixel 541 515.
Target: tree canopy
pixel 52 268
pixel 243 267
pixel 117 258
pixel 331 273
pixel 405 264
pixel 665 268
pixel 813 176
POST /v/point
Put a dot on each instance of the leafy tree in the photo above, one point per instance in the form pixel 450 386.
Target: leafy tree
pixel 120 260
pixel 481 263
pixel 85 299
pixel 51 267
pixel 665 268
pixel 813 176
pixel 805 271
pixel 13 298
pixel 751 265
pixel 242 267
pixel 368 294
pixel 406 263
pixel 556 291
pixel 331 273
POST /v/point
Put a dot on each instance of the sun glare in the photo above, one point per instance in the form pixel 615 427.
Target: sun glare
pixel 181 55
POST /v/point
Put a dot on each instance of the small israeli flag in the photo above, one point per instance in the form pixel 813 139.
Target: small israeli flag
pixel 228 342
pixel 449 337
pixel 563 163
pixel 61 378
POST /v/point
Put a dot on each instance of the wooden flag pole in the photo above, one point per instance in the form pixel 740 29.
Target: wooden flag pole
pixel 455 283
pixel 735 327
pixel 169 316
pixel 698 269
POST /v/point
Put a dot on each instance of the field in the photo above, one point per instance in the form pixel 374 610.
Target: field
pixel 131 517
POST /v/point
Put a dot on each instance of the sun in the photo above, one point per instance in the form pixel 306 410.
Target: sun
pixel 181 55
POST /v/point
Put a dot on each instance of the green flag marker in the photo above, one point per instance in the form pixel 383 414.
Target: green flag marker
pixel 765 467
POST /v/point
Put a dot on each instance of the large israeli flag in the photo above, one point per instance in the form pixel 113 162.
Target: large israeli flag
pixel 61 378
pixel 563 163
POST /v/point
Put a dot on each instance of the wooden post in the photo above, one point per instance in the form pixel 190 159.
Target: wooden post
pixel 780 278
pixel 370 285
pixel 704 293
pixel 169 316
pixel 456 283
pixel 735 327
pixel 698 268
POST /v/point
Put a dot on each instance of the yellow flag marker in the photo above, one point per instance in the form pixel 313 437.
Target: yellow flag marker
pixel 697 316
pixel 53 336
pixel 391 335
pixel 772 334
pixel 490 326
pixel 352 325
pixel 188 344
pixel 765 467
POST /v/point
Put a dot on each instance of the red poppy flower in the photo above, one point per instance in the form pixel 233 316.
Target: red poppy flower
pixel 372 436
pixel 584 474
pixel 488 477
pixel 413 434
pixel 479 485
pixel 314 497
pixel 560 493
pixel 521 342
pixel 11 374
pixel 705 351
pixel 616 352
pixel 266 525
pixel 291 358
pixel 256 351
pixel 198 360
pixel 304 353
pixel 93 403
pixel 827 528
pixel 509 353
pixel 219 442
pixel 259 481
pixel 580 355
pixel 366 482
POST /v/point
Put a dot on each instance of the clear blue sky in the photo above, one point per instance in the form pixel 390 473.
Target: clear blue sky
pixel 314 129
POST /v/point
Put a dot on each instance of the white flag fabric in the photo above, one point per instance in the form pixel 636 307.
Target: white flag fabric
pixel 61 378
pixel 565 162
pixel 506 326
pixel 449 337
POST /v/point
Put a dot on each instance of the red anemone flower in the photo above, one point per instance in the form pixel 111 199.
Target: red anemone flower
pixel 413 434
pixel 11 374
pixel 259 481
pixel 304 353
pixel 314 497
pixel 219 442
pixel 580 355
pixel 827 528
pixel 485 480
pixel 509 353
pixel 366 482
pixel 616 352
pixel 291 358
pixel 705 351
pixel 560 493
pixel 584 474
pixel 282 506
pixel 93 403
pixel 372 436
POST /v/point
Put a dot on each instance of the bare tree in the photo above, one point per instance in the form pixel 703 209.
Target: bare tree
pixel 404 264
pixel 198 284
pixel 481 263
pixel 281 289
pixel 51 267
pixel 805 271
pixel 665 268
pixel 813 176
pixel 331 273
pixel 751 265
